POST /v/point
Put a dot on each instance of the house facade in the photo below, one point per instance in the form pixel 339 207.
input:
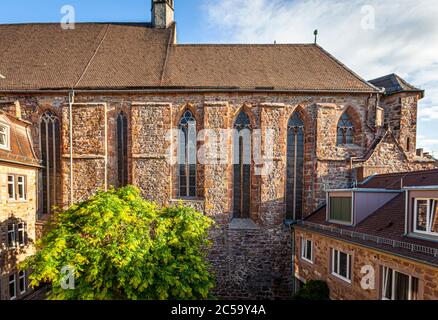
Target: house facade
pixel 19 169
pixel 250 135
pixel 376 242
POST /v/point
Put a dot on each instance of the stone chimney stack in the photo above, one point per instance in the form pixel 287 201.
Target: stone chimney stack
pixel 162 13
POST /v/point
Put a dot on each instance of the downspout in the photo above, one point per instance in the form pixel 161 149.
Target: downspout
pixel 406 211
pixel 292 231
pixel 71 101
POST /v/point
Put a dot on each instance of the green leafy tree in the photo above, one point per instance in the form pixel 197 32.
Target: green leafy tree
pixel 123 247
pixel 313 290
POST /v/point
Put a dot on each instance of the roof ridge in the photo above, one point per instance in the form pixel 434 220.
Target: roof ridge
pixel 415 172
pixel 244 45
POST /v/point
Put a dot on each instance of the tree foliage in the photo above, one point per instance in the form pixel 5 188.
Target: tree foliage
pixel 123 247
pixel 313 290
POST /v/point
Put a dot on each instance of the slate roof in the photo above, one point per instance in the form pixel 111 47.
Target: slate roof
pixel 388 221
pixel 125 56
pixel 394 84
pixel 21 150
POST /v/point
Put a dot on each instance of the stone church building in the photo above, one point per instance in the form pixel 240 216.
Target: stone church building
pixel 102 98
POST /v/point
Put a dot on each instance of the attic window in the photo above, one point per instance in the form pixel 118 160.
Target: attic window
pixel 426 216
pixel 4 136
pixel 340 210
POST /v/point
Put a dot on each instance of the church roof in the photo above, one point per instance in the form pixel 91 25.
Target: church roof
pixel 393 84
pixel 137 56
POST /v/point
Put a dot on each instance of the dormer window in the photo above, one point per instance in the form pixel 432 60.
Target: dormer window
pixel 426 216
pixel 340 210
pixel 4 136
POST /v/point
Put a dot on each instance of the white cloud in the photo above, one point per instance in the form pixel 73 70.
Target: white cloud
pixel 404 40
pixel 428 114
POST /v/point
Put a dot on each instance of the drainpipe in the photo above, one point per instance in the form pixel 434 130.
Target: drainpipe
pixel 71 101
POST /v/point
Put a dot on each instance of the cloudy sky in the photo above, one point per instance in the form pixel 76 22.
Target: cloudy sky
pixel 373 38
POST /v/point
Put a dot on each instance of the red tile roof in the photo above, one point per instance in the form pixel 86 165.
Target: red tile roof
pixel 121 56
pixel 395 181
pixel 21 151
pixel 388 221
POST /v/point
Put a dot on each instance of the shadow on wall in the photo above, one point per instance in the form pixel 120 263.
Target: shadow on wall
pixel 15 243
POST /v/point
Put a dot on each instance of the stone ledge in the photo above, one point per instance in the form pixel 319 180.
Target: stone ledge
pixel 243 224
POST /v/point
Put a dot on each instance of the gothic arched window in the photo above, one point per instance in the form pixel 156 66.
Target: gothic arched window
pixel 242 166
pixel 187 155
pixel 50 191
pixel 122 149
pixel 345 130
pixel 295 167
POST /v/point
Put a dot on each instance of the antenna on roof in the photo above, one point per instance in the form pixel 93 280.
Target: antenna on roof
pixel 315 33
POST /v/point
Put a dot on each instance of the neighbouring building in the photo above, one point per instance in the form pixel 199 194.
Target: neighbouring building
pixel 102 98
pixel 19 169
pixel 376 241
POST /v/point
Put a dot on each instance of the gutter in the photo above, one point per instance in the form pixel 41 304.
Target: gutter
pixel 187 90
pixel 22 163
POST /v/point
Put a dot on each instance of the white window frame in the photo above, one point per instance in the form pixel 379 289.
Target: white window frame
pixel 21 229
pixel 22 277
pixel 385 274
pixel 15 286
pixel 430 202
pixel 13 244
pixel 304 249
pixel 23 184
pixel 338 262
pixel 13 187
pixel 6 146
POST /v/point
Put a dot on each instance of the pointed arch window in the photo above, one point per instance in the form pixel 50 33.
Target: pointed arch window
pixel 242 166
pixel 345 130
pixel 122 149
pixel 187 155
pixel 295 167
pixel 50 191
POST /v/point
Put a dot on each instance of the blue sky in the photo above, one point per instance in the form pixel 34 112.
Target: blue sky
pixel 372 37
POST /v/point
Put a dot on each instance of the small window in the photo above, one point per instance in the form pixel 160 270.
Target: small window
pixel 11 187
pixel 22 282
pixel 398 286
pixel 12 287
pixel 340 209
pixel 341 265
pixel 408 144
pixel 4 136
pixel 21 187
pixel 307 249
pixel 345 130
pixel 11 236
pixel 21 231
pixel 426 216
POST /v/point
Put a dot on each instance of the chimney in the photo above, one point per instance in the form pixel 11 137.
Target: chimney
pixel 162 13
pixel 420 152
pixel 17 109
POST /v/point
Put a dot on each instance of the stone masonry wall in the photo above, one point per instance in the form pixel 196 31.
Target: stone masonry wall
pixel 251 260
pixel 12 211
pixel 361 256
